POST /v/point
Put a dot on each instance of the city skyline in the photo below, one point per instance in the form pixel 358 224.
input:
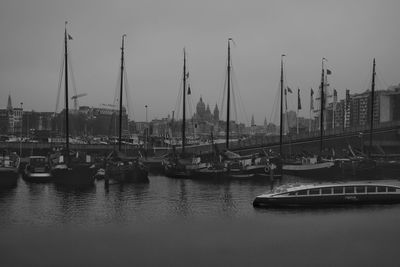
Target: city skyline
pixel 348 33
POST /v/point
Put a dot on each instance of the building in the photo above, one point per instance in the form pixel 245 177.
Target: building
pixel 4 121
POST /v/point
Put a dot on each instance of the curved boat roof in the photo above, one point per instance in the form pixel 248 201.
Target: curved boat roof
pixel 297 186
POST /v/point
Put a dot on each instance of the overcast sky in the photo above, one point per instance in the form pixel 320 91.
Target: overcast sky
pixel 348 33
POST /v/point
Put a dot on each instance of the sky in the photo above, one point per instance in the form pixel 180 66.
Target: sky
pixel 349 33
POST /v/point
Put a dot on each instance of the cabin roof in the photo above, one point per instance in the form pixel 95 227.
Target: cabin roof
pixel 297 186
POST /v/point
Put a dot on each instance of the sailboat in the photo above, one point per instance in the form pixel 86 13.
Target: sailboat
pixel 232 165
pixel 308 166
pixel 181 165
pixel 71 168
pixel 363 165
pixel 119 167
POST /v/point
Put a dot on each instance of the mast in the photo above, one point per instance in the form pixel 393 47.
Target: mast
pixel 322 107
pixel 372 108
pixel 120 93
pixel 281 113
pixel 228 94
pixel 184 102
pixel 66 93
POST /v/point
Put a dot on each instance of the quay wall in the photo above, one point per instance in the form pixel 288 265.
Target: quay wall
pixel 385 140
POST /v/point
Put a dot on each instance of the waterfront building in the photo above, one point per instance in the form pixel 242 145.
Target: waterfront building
pixel 355 110
pixel 4 121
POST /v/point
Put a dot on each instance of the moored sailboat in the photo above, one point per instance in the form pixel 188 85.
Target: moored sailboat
pixel 362 166
pixel 120 167
pixel 314 166
pixel 232 165
pixel 70 168
pixel 182 165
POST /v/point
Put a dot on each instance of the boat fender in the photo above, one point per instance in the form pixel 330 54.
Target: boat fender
pixel 266 169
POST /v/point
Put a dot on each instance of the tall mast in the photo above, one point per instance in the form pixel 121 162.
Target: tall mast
pixel 66 93
pixel 120 93
pixel 184 102
pixel 229 94
pixel 322 107
pixel 281 113
pixel 372 107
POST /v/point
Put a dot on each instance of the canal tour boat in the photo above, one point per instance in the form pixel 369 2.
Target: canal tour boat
pixel 38 169
pixel 324 194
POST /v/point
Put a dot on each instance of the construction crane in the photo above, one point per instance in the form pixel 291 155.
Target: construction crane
pixel 75 98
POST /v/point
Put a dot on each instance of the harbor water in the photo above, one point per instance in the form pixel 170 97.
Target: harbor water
pixel 183 222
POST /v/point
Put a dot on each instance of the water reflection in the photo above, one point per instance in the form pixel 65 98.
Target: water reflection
pixel 73 204
pixel 182 206
pixel 7 204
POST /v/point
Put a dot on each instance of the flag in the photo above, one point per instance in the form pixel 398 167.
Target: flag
pixel 298 99
pixel 289 90
pixel 328 72
pixel 187 75
pixel 189 92
pixel 286 99
pixel 70 37
pixel 312 100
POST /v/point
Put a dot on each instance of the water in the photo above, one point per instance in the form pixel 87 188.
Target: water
pixel 172 222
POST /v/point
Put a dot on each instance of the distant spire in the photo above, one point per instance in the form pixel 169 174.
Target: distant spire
pixel 216 113
pixel 265 122
pixel 9 103
pixel 252 120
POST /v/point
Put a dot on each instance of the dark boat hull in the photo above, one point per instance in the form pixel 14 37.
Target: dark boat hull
pixel 75 175
pixel 209 173
pixel 175 172
pixel 127 174
pixel 248 173
pixel 253 172
pixel 320 201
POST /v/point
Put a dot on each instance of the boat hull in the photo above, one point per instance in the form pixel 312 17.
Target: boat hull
pixel 320 170
pixel 253 172
pixel 319 201
pixel 175 172
pixel 209 173
pixel 74 175
pixel 127 174
pixel 38 176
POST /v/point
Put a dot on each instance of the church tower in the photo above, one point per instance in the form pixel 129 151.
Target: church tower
pixel 9 103
pixel 216 113
pixel 200 109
